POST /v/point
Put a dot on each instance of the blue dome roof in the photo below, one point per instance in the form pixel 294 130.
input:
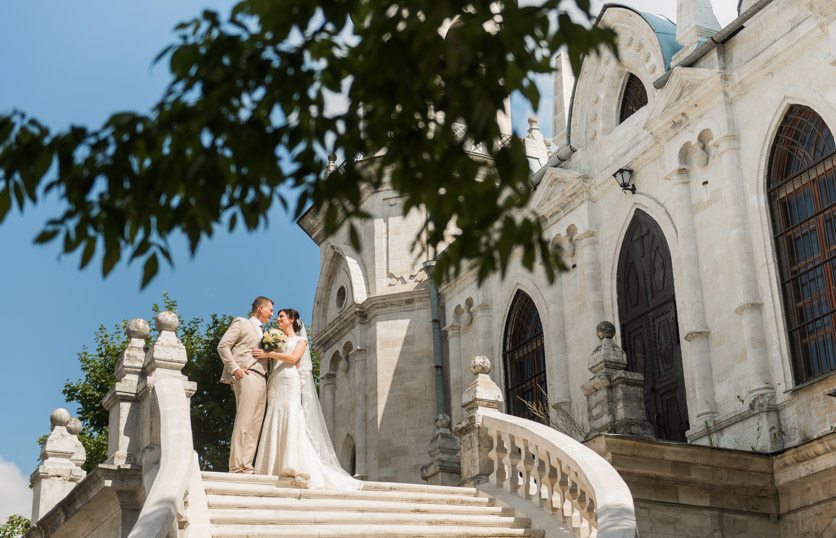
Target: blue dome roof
pixel 663 27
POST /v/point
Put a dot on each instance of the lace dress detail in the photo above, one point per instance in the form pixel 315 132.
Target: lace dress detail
pixel 286 448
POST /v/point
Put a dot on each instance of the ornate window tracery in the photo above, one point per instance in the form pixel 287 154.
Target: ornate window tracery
pixel 634 97
pixel 524 357
pixel 802 191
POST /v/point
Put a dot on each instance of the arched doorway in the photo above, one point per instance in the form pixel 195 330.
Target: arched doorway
pixel 649 328
pixel 524 357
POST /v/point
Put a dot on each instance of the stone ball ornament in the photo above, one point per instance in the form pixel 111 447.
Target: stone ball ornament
pixel 60 417
pixel 138 328
pixel 74 426
pixel 480 365
pixel 605 329
pixel 166 321
pixel 442 421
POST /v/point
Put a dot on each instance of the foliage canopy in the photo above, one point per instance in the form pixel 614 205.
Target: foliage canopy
pixel 257 101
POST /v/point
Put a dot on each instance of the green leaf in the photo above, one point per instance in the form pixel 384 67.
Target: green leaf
pixel 87 254
pixel 150 270
pixel 46 236
pixel 5 203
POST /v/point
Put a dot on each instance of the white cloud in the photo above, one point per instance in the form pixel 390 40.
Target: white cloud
pixel 15 495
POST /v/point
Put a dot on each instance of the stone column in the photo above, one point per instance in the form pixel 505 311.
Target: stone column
pixel 614 396
pixel 358 364
pixel 750 305
pixel 592 278
pixel 482 393
pixel 696 354
pixel 60 472
pixel 328 384
pixel 122 401
pixel 482 334
pixel 454 349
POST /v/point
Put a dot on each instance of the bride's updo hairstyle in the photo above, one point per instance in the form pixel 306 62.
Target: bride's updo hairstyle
pixel 294 315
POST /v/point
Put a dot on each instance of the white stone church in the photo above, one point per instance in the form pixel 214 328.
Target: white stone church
pixel 685 358
pixel 691 184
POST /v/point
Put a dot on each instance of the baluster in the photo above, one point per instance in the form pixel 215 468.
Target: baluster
pixel 526 466
pixel 583 523
pixel 497 456
pixel 571 506
pixel 548 478
pixel 513 465
pixel 537 475
pixel 592 518
pixel 563 486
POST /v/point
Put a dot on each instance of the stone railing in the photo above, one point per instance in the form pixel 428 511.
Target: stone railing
pixel 534 462
pixel 151 472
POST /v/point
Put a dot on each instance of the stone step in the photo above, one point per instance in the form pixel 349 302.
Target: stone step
pixel 258 518
pixel 296 503
pixel 415 531
pixel 368 486
pixel 267 490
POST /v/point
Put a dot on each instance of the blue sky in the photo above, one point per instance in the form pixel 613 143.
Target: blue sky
pixel 77 62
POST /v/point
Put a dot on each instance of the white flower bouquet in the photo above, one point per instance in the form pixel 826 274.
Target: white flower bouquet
pixel 274 340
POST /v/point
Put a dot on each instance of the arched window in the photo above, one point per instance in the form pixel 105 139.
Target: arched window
pixel 524 357
pixel 802 193
pixel 633 99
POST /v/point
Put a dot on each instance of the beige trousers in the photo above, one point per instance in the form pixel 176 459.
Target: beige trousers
pixel 250 401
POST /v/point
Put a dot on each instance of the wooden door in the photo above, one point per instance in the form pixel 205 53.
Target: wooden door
pixel 649 328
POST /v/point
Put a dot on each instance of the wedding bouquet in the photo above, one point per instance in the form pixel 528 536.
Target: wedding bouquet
pixel 274 340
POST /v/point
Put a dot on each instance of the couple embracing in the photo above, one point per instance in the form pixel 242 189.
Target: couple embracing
pixel 294 441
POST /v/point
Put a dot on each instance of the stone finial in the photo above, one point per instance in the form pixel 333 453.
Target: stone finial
pixel 695 22
pixel 138 328
pixel 444 468
pixel 482 391
pixel 59 472
pixel 80 453
pixel 332 164
pixel 605 329
pixel 166 321
pixel 533 126
pixel 442 422
pixel 480 365
pixel 607 354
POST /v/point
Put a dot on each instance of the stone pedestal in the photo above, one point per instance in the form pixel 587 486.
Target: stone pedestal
pixel 614 396
pixel 61 470
pixel 444 468
pixel 122 400
pixel 482 393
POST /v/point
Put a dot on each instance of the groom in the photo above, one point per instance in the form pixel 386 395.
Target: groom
pixel 249 382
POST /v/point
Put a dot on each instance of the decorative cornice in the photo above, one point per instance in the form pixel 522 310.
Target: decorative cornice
pixel 748 305
pixel 698 333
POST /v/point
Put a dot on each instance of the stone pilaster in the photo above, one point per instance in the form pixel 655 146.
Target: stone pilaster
pixel 328 384
pixel 358 364
pixel 614 396
pixel 122 401
pixel 592 277
pixel 60 471
pixel 482 393
pixel 444 468
pixel 454 356
pixel 750 305
pixel 697 351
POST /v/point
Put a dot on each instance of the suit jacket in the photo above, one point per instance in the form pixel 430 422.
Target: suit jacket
pixel 235 346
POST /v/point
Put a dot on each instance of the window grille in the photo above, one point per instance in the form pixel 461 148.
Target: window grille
pixel 633 99
pixel 524 357
pixel 802 192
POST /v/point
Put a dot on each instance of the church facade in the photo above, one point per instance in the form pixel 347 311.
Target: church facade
pixel 692 190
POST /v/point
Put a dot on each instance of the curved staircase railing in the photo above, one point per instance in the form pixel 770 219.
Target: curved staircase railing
pixel 539 464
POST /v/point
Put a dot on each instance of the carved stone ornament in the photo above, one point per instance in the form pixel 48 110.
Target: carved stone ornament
pixel 138 328
pixel 480 365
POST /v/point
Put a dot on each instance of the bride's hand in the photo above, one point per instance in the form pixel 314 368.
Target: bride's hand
pixel 258 353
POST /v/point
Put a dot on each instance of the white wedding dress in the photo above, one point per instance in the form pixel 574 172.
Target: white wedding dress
pixel 294 439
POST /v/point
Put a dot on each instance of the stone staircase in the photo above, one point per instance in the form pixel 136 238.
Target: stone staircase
pixel 253 505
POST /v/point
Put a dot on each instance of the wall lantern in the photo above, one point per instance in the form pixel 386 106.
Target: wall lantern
pixel 623 176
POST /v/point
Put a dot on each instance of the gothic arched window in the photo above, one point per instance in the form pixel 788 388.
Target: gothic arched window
pixel 802 193
pixel 633 99
pixel 524 357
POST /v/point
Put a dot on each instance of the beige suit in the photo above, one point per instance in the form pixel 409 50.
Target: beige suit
pixel 235 349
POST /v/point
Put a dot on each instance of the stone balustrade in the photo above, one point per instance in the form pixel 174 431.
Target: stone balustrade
pixel 534 462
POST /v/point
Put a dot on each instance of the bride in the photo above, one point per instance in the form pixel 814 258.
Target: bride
pixel 294 438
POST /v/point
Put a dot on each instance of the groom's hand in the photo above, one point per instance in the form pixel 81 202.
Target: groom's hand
pixel 240 373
